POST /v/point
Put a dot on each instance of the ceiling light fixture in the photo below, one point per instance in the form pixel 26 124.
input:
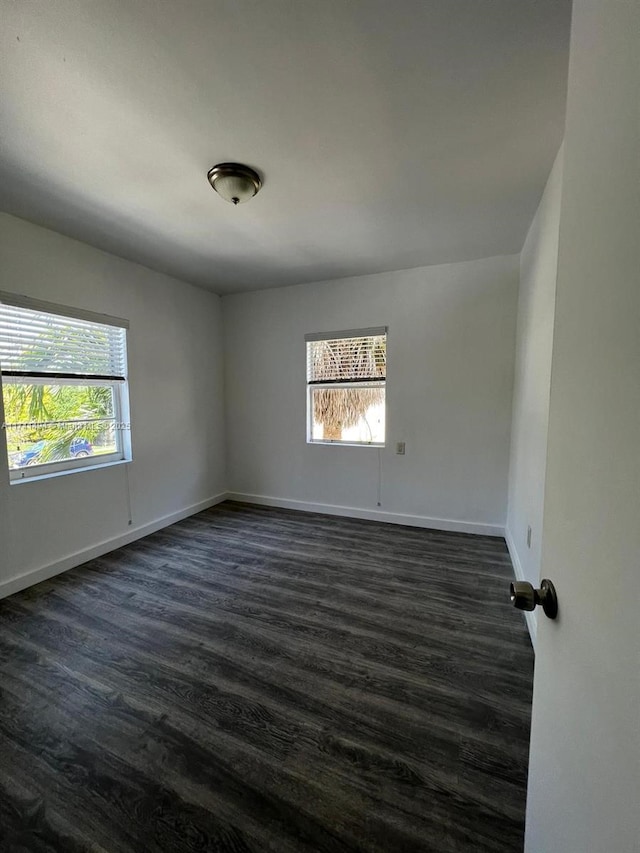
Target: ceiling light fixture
pixel 234 182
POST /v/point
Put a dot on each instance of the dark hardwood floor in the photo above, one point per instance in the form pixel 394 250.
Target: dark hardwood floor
pixel 257 679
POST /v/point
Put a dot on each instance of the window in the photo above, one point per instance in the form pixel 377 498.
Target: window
pixel 346 376
pixel 64 387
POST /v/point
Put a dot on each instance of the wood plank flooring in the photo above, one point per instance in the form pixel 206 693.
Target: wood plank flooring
pixel 256 679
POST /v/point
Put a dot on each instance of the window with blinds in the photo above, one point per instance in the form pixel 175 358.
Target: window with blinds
pixel 64 387
pixel 346 379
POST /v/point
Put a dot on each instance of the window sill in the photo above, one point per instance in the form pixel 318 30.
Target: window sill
pixel 346 444
pixel 37 478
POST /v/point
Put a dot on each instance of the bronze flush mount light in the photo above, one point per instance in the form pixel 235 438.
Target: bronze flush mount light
pixel 234 182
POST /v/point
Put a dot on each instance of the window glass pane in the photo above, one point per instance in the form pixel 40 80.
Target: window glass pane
pixel 56 423
pixel 354 415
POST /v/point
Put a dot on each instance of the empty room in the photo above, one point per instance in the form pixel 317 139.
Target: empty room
pixel 319 469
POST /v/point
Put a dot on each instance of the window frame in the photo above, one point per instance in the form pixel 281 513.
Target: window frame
pixel 336 384
pixel 120 396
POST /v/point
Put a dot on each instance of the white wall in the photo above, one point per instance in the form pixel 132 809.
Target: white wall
pixel 532 382
pixel 176 393
pixel 584 771
pixel 450 378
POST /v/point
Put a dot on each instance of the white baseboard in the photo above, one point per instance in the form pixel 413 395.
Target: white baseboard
pixel 34 576
pixel 373 515
pixel 530 616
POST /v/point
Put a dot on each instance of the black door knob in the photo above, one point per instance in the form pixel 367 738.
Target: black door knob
pixel 525 597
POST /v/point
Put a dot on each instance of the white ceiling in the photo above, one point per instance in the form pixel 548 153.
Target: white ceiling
pixel 389 133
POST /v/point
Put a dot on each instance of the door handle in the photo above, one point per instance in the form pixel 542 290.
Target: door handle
pixel 525 597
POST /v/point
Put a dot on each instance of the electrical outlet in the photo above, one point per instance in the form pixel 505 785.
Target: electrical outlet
pixel 400 448
pixel 529 536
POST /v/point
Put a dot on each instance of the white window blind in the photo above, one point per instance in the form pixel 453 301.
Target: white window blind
pixel 347 357
pixel 40 343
